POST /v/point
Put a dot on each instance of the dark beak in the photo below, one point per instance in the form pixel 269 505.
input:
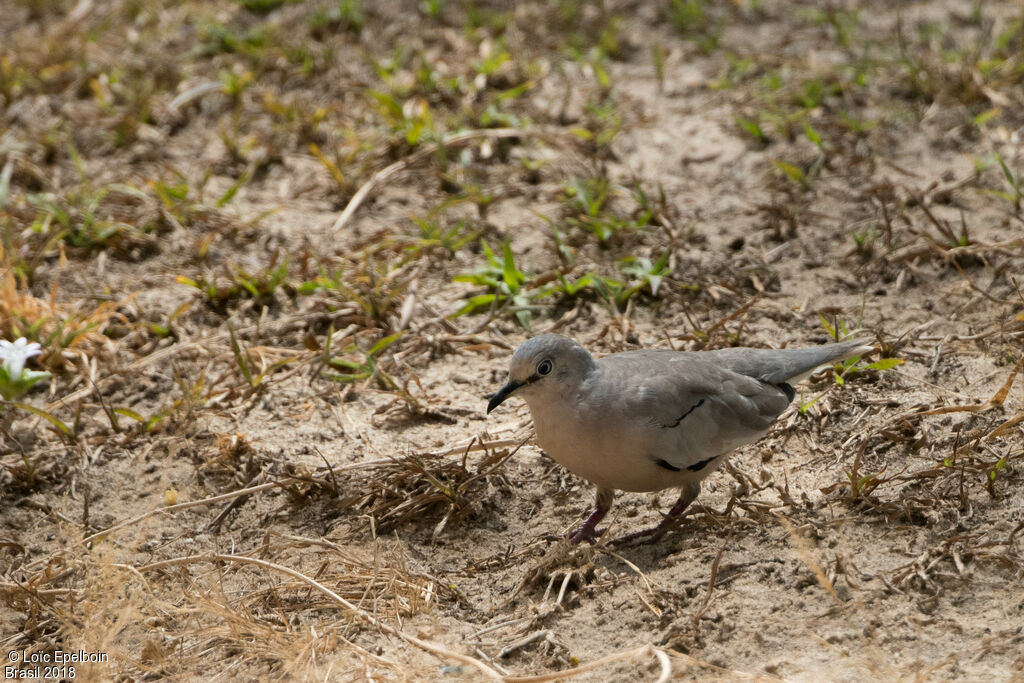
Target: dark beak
pixel 503 393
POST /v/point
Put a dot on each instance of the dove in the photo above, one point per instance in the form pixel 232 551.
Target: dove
pixel 653 419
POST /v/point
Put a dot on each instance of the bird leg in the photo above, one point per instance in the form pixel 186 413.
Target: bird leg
pixel 671 520
pixel 588 531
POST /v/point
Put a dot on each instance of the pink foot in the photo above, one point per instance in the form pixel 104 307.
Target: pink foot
pixel 586 533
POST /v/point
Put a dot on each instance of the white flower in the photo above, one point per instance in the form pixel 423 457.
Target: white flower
pixel 14 354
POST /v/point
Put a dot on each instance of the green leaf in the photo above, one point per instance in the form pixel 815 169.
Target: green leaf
pixel 171 194
pixel 491 257
pixel 131 414
pixel 16 387
pixel 1014 183
pixel 828 326
pixel 806 405
pixel 248 286
pixel 999 193
pixel 792 172
pixel 475 303
pixel 572 288
pixel 344 378
pixel 346 364
pixel 812 134
pixel 233 190
pixel 884 364
pixel 658 57
pixel 388 105
pixel 524 317
pixel 384 343
pixel 271 369
pixel 308 287
pixel 63 428
pixel 513 278
pixel 753 128
pixel 240 356
pixel 513 93
pixel 985 116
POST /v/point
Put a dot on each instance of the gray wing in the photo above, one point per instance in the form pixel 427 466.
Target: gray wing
pixel 689 409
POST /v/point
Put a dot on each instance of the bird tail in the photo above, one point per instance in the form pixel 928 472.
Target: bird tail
pixel 830 353
pixel 789 366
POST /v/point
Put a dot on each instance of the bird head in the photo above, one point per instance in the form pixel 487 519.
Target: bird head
pixel 544 365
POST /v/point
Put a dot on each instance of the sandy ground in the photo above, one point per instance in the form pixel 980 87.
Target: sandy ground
pixel 357 515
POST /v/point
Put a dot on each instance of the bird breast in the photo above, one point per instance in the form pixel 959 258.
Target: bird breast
pixel 605 449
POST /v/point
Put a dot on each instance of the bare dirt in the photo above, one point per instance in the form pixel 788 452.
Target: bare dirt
pixel 183 234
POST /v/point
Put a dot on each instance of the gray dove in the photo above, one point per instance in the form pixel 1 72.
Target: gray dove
pixel 654 419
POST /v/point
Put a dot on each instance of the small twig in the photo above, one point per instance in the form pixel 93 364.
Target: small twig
pixel 711 589
pixel 478 446
pixel 642 651
pixel 330 470
pixel 933 370
pixel 970 283
pixel 620 558
pixel 7 587
pixel 194 93
pixel 543 634
pixel 564 587
pixel 499 625
pixel 732 316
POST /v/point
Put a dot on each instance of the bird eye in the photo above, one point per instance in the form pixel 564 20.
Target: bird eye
pixel 544 368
